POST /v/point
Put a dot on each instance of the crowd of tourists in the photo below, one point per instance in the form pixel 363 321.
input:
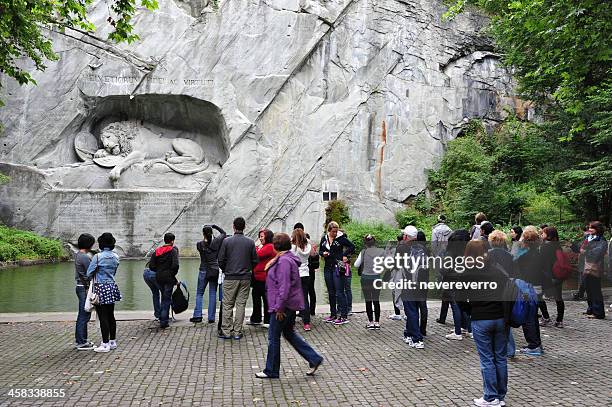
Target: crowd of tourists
pixel 278 270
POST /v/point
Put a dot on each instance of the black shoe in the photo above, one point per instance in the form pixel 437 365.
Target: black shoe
pixel 164 326
pixel 221 336
pixel 195 319
pixel 211 321
pixel 440 321
pixel 313 369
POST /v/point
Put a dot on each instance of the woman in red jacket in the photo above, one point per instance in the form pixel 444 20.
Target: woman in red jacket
pixel 265 253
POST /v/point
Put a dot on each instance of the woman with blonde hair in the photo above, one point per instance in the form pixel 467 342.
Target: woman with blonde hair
pixel 301 248
pixel 335 248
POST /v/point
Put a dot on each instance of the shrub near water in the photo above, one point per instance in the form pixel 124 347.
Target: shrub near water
pixel 381 232
pixel 21 245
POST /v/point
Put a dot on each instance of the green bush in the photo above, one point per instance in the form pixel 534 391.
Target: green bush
pixel 382 232
pixel 413 216
pixel 21 245
pixel 337 211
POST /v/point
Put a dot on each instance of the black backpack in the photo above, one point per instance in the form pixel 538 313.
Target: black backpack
pixel 180 298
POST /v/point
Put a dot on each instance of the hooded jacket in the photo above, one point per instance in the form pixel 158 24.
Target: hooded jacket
pixel 439 238
pixel 165 263
pixel 303 255
pixel 283 283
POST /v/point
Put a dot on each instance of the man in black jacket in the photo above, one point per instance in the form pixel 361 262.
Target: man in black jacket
pixel 165 263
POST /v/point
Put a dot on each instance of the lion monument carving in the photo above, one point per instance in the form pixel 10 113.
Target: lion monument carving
pixel 126 143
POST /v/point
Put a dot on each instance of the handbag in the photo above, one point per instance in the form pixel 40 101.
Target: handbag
pixel 592 269
pixel 180 301
pixel 92 295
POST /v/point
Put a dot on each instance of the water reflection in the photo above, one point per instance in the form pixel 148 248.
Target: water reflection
pixel 50 287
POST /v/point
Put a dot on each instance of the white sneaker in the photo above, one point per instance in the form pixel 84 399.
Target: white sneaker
pixel 112 345
pixel 416 345
pixel 103 348
pixel 266 326
pixel 395 317
pixel 467 334
pixel 454 336
pixel 502 403
pixel 481 402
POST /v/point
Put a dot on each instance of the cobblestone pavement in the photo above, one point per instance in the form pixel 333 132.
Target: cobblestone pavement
pixel 187 365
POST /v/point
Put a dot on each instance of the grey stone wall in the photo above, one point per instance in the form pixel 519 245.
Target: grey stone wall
pixel 288 99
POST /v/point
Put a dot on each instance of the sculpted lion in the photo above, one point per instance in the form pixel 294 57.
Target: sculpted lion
pixel 126 143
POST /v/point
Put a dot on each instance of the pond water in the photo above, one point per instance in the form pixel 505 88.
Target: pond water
pixel 50 287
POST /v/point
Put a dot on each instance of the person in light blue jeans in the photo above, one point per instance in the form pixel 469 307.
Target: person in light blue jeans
pixel 208 274
pixel 149 277
pixel 203 282
pixel 491 338
pixel 511 344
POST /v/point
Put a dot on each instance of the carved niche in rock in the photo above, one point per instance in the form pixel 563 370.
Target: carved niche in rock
pixel 125 143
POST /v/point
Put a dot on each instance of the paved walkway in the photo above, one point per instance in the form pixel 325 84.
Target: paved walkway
pixel 187 365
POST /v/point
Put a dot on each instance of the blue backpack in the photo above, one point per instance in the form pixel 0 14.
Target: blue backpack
pixel 525 303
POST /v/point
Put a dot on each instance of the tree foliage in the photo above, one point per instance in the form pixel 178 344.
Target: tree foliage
pixel 509 175
pixel 337 211
pixel 561 53
pixel 23 24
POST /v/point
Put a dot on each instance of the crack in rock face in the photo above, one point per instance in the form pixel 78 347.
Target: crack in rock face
pixel 262 109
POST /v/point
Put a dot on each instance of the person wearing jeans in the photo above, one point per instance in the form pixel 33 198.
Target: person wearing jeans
pixel 461 321
pixel 412 333
pixel 149 277
pixel 488 324
pixel 413 299
pixel 529 266
pixel 81 264
pixel 203 282
pixel 284 292
pixel 491 338
pixel 340 278
pixel 208 274
pixel 511 345
pixel 335 249
pixel 165 263
pixel 348 292
pixel 594 254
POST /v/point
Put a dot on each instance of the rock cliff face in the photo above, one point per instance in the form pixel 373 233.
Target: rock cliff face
pixel 263 109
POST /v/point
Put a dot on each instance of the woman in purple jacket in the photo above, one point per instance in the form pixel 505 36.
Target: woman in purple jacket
pixel 284 292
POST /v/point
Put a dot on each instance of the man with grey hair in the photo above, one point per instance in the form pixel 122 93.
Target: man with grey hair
pixel 414 272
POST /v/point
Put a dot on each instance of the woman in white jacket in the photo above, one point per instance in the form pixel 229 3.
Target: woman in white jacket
pixel 301 248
